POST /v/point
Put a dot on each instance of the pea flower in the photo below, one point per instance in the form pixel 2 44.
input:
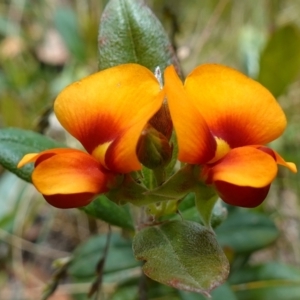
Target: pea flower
pixel 106 112
pixel 222 121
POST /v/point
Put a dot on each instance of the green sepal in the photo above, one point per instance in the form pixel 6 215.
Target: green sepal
pixel 179 185
pixel 133 192
pixel 205 200
pixel 186 181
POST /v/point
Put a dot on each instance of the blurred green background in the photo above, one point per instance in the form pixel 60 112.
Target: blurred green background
pixel 47 44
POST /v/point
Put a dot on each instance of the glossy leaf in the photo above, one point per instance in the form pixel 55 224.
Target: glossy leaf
pixel 104 209
pixel 182 254
pixel 274 281
pixel 280 60
pixel 15 143
pixel 130 32
pixel 87 255
pixel 245 232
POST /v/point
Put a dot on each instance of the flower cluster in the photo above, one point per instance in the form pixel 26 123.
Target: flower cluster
pixel 222 120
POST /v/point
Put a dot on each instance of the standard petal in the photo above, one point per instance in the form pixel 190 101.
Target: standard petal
pixel 244 166
pixel 195 141
pixel 100 108
pixel 236 108
pixel 243 196
pixel 69 173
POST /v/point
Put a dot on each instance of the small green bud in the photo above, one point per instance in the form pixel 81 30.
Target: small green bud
pixel 153 148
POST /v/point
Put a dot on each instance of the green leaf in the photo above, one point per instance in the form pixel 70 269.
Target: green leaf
pixel 222 292
pixel 66 23
pixel 125 293
pixel 15 143
pixel 87 255
pixel 245 232
pixel 130 33
pixel 271 281
pixel 280 60
pixel 182 254
pixel 104 209
pixel 206 199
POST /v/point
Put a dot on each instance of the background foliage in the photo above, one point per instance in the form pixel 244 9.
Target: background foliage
pixel 46 45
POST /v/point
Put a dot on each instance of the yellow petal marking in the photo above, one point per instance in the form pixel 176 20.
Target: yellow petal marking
pixel 100 151
pixel 222 149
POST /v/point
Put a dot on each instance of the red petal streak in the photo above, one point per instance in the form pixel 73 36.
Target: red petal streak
pixel 69 201
pixel 243 196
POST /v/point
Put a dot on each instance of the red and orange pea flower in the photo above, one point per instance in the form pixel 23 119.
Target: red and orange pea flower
pixel 106 112
pixel 222 120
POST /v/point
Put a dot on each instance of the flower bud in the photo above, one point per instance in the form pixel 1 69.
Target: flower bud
pixel 162 121
pixel 153 148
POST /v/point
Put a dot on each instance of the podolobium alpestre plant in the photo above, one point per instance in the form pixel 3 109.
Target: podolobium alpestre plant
pixel 124 116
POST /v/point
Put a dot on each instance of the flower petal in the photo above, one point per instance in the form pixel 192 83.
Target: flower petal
pixel 243 196
pixel 69 201
pixel 291 166
pixel 72 172
pixel 236 108
pixel 196 143
pixel 244 166
pixel 33 157
pixel 119 155
pixel 100 109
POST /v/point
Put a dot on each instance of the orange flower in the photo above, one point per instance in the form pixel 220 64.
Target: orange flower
pixel 106 112
pixel 221 119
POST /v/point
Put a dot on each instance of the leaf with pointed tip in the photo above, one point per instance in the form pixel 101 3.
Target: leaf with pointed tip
pixel 280 60
pixel 104 209
pixel 182 254
pixel 130 33
pixel 15 143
